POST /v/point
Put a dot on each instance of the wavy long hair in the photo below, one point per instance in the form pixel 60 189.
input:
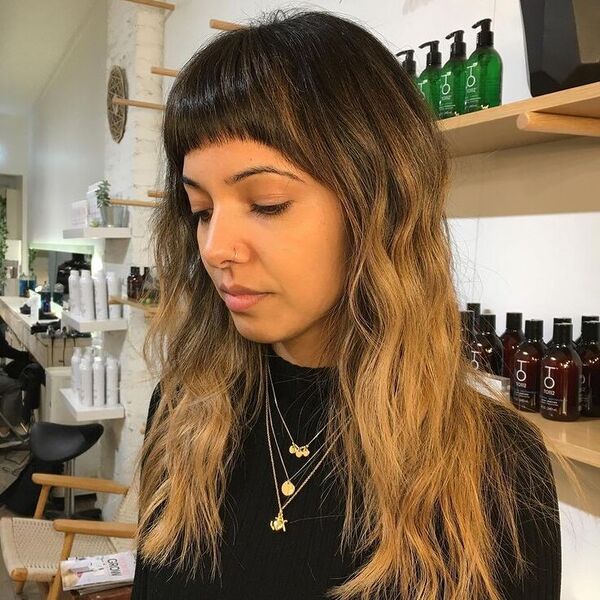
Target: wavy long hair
pixel 417 458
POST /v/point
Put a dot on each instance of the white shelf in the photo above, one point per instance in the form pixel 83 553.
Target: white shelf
pixel 90 326
pixel 97 233
pixel 90 413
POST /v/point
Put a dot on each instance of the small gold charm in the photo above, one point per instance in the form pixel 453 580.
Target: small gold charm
pixel 288 488
pixel 293 449
pixel 278 524
pixel 305 451
pixel 298 453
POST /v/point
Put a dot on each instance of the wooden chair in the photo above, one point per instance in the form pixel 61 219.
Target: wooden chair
pixel 33 548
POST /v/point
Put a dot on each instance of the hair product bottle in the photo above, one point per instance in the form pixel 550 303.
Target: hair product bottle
pixel 493 348
pixel 99 381
pixel 75 370
pixel 100 295
pixel 86 393
pixel 476 308
pixel 483 82
pixel 408 64
pixel 476 354
pixel 561 377
pixel 525 376
pixel 86 286
pixel 584 319
pixel 429 79
pixel 511 338
pixel 135 271
pixel 113 284
pixel 555 322
pixel 74 293
pixel 452 78
pixel 112 381
pixel 589 352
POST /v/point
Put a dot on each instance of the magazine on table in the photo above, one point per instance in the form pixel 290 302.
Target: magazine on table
pixel 96 573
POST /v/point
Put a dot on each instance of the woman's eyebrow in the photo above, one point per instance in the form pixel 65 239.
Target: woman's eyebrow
pixel 245 174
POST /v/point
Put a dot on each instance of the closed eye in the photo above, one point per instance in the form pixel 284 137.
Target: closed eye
pixel 263 210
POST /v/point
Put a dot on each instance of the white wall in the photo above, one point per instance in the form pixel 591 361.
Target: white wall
pixel 13 144
pixel 66 151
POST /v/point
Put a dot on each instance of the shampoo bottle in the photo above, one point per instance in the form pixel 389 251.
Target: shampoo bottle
pixel 112 381
pixel 525 376
pixel 483 83
pixel 511 338
pixel 99 382
pixel 589 352
pixel 408 64
pixel 452 78
pixel 561 377
pixel 584 319
pixel 113 283
pixel 493 348
pixel 556 321
pixel 429 79
pixel 75 371
pixel 86 393
pixel 74 293
pixel 476 308
pixel 100 296
pixel 87 296
pixel 475 353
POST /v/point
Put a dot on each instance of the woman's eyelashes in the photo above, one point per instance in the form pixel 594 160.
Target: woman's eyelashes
pixel 262 210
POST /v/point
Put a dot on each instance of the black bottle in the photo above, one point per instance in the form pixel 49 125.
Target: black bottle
pixel 589 352
pixel 561 377
pixel 585 319
pixel 511 339
pixel 472 347
pixel 526 374
pixel 476 308
pixel 131 283
pixel 494 348
pixel 556 321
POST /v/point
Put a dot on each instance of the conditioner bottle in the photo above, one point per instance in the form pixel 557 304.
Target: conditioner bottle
pixel 452 78
pixel 493 347
pixel 483 82
pixel 584 319
pixel 429 80
pixel 511 338
pixel 476 308
pixel 525 376
pixel 475 352
pixel 408 64
pixel 561 377
pixel 589 352
pixel 555 322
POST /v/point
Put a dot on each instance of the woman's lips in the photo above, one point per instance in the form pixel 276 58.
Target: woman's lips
pixel 241 302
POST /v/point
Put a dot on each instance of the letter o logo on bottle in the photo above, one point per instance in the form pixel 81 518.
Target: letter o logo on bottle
pixel 549 381
pixel 520 374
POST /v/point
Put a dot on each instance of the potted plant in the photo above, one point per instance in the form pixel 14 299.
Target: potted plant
pixel 103 203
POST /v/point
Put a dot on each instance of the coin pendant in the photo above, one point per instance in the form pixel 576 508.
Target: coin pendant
pixel 305 451
pixel 288 488
pixel 293 449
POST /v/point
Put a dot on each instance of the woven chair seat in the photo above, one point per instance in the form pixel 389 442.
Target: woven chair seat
pixel 34 545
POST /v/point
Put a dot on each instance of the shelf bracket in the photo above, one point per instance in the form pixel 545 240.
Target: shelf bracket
pixel 164 71
pixel 138 103
pixel 542 122
pixel 225 25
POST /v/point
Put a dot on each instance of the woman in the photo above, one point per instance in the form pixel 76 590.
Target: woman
pixel 316 432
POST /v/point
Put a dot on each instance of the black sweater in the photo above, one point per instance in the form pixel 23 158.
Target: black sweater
pixel 304 561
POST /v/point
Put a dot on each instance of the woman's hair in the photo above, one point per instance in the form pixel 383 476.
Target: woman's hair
pixel 418 460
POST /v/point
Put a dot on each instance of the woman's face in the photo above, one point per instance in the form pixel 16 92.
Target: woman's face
pixel 265 225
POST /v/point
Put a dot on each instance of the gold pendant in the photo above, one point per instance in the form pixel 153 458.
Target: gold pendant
pixel 278 524
pixel 293 449
pixel 288 488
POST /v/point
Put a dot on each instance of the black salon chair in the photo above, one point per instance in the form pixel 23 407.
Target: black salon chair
pixel 56 443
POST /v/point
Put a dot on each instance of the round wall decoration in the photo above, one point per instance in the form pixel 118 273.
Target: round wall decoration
pixel 117 114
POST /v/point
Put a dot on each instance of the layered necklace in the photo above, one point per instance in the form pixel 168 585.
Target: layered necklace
pixel 288 488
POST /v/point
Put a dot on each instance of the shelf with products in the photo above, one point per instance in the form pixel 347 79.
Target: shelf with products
pixel 96 233
pixel 86 326
pixel 90 413
pixel 575 111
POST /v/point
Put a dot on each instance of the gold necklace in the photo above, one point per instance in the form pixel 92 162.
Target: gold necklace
pixel 287 487
pixel 299 451
pixel 278 523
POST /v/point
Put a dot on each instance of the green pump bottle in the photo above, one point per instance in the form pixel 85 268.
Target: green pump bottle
pixel 483 85
pixel 408 64
pixel 429 80
pixel 452 78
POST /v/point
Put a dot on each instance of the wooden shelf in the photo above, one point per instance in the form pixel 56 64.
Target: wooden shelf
pixel 526 122
pixel 90 326
pixel 149 309
pixel 91 233
pixel 90 413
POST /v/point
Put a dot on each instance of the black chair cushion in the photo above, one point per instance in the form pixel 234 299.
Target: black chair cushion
pixel 54 442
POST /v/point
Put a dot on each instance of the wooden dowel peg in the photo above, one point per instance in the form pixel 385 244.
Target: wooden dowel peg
pixel 225 25
pixel 138 103
pixel 154 4
pixel 155 194
pixel 562 124
pixel 163 71
pixel 130 202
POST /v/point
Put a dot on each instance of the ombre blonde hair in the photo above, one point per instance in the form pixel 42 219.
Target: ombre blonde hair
pixel 424 460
